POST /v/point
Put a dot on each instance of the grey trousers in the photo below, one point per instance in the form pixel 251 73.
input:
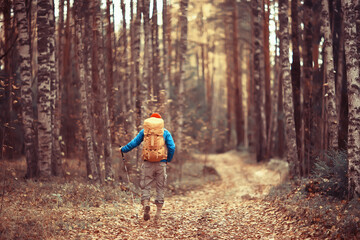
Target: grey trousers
pixel 153 172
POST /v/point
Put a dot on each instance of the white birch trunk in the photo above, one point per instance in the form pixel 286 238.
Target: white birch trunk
pixel 183 49
pixel 44 87
pixel 26 83
pixel 145 85
pixel 291 155
pixel 352 70
pixel 55 96
pixel 85 110
pixel 106 134
pixel 330 77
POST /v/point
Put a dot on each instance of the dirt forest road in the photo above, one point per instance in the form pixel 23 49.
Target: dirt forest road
pixel 232 208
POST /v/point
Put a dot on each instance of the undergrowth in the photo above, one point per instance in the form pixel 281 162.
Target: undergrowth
pixel 330 175
pixel 321 201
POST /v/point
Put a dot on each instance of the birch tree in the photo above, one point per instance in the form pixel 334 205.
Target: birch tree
pixel 44 10
pixel 146 84
pixel 155 53
pixel 92 170
pixel 135 48
pixel 55 98
pixel 352 72
pixel 26 84
pixel 109 68
pixel 104 128
pixel 183 21
pixel 291 155
pixel 296 74
pixel 330 76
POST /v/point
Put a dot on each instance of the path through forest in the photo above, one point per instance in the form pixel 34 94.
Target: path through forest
pixel 232 208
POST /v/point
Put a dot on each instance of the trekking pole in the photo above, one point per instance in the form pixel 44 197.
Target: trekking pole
pixel 127 175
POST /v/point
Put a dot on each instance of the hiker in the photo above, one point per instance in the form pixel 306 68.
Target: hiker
pixel 158 150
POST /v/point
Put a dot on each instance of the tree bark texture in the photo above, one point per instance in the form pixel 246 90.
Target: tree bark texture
pixel 155 53
pixel 136 52
pixel 85 107
pixel 268 105
pixel 56 161
pixel 183 21
pixel 109 68
pixel 104 128
pixel 291 155
pixel 330 77
pixel 44 87
pixel 296 74
pixel 352 71
pixel 307 91
pixel 6 137
pixel 24 49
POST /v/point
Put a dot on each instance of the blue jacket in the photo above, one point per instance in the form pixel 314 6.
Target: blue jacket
pixel 140 137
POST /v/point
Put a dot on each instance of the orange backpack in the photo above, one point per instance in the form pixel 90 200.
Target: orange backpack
pixel 154 149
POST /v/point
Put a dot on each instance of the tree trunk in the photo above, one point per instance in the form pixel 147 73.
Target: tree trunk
pixel 24 49
pixel 44 88
pixel 92 172
pixel 340 88
pixel 259 84
pixel 251 94
pixel 139 94
pixel 60 35
pixel 6 140
pixel 307 91
pixel 165 53
pixel 268 105
pixel 166 61
pixel 67 94
pixel 183 22
pixel 237 82
pixel 132 83
pixel 56 99
pixel 109 70
pixel 291 155
pixel 127 94
pixel 330 77
pixel 353 73
pixel 295 75
pixel 156 53
pixel 97 116
pixel 104 127
pixel 146 84
pixel 229 83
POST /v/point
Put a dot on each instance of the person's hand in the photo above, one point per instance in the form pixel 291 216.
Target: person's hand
pixel 120 149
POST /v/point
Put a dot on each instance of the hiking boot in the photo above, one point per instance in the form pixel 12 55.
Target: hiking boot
pixel 146 210
pixel 158 211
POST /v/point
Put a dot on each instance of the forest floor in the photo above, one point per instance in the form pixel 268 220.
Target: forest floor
pixel 239 204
